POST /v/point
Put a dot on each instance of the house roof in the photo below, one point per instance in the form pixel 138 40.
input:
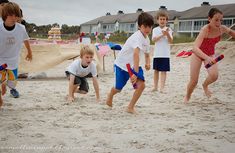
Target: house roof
pixel 202 11
pixel 193 13
pixel 126 18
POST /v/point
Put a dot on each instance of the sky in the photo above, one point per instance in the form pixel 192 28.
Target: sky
pixel 76 12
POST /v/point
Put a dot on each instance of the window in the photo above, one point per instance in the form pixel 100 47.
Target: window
pixel 185 25
pixel 104 27
pixel 227 22
pixel 132 25
pixel 199 24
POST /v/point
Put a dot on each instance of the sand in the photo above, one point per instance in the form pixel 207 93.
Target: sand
pixel 42 121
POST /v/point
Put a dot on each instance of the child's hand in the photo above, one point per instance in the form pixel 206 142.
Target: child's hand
pixel 133 79
pixel 209 60
pixel 147 67
pixel 70 99
pixel 165 33
pixel 29 57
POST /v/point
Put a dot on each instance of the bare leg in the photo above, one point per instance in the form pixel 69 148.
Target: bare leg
pixel 4 89
pixel 155 80
pixel 135 97
pixel 109 100
pixel 1 101
pixel 212 77
pixel 163 80
pixel 195 65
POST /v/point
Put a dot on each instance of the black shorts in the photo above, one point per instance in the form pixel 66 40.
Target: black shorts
pixel 161 64
pixel 80 81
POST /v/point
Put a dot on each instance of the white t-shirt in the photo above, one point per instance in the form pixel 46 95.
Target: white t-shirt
pixel 126 55
pixel 76 69
pixel 162 46
pixel 10 45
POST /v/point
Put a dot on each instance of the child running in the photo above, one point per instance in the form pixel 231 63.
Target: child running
pixel 204 51
pixel 12 36
pixel 135 47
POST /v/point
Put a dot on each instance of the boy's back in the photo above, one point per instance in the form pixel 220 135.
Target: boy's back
pixel 126 54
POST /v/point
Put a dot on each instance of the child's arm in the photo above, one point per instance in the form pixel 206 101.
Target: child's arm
pixel 228 31
pixel 96 86
pixel 136 64
pixel 147 61
pixel 29 56
pixel 71 88
pixel 167 34
pixel 136 59
pixel 157 38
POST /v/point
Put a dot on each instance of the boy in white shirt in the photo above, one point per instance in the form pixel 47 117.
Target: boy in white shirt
pixel 136 46
pixel 162 36
pixel 77 72
pixel 12 36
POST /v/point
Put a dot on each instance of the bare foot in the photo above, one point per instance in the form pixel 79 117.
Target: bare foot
pixel 4 89
pixel 70 99
pixel 162 91
pixel 131 110
pixel 186 99
pixel 154 90
pixel 109 101
pixel 207 91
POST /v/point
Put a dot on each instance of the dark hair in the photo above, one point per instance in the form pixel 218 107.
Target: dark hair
pixel 214 11
pixel 9 9
pixel 145 19
pixel 3 1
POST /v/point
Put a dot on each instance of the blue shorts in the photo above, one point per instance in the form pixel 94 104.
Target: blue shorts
pixel 161 64
pixel 122 76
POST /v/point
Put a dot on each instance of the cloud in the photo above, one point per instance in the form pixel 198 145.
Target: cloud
pixel 76 12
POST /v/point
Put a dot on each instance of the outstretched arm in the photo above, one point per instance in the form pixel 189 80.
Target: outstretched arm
pixel 228 31
pixel 96 87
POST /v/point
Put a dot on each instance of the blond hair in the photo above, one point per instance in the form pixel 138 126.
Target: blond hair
pixel 10 9
pixel 162 13
pixel 85 49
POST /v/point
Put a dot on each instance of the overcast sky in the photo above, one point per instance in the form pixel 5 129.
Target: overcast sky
pixel 76 12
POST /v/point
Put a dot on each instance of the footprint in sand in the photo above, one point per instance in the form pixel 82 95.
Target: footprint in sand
pixel 38 135
pixel 170 130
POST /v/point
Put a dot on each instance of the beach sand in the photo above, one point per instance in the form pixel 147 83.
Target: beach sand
pixel 42 121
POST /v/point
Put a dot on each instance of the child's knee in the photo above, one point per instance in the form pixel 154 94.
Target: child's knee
pixel 214 77
pixel 141 85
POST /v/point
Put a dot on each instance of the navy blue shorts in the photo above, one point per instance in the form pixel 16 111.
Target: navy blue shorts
pixel 161 64
pixel 122 76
